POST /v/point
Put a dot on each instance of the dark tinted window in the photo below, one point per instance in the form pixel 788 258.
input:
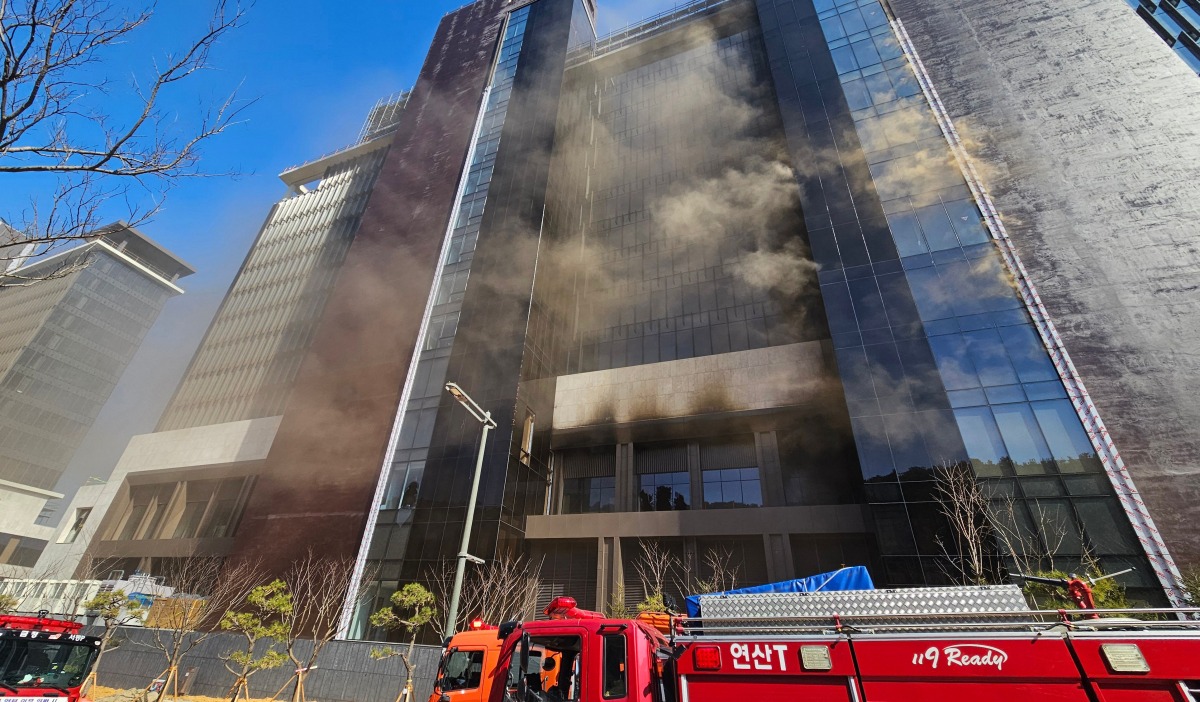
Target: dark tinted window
pixel 461 670
pixel 615 684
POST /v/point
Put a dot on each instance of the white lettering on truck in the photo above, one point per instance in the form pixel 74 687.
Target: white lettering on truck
pixel 963 656
pixel 759 657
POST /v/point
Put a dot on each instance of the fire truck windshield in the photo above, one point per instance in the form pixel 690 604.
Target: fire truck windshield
pixel 60 663
pixel 550 672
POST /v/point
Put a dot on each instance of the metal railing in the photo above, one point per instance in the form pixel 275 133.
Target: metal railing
pixel 663 21
pixel 1173 619
pixel 370 129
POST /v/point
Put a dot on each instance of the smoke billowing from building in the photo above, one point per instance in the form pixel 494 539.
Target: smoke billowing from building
pixel 722 284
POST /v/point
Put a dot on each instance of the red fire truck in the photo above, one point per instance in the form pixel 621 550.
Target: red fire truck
pixel 44 659
pixel 1060 656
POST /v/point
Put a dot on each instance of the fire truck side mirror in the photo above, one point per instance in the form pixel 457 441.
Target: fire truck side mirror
pixel 506 629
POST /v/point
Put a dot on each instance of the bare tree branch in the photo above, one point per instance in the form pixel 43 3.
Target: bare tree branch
pixel 502 589
pixel 60 118
pixel 319 587
pixel 966 509
pixel 205 588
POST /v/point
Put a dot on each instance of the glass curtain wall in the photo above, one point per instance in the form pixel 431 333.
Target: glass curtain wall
pixel 1177 22
pixel 394 526
pixel 941 364
pixel 695 129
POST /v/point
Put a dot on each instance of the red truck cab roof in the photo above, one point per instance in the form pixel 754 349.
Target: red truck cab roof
pixel 56 626
pixel 42 658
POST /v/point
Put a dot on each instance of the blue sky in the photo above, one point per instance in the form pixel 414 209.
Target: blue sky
pixel 313 71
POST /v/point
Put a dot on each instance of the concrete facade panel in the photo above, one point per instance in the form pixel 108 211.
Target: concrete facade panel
pixel 832 519
pixel 781 376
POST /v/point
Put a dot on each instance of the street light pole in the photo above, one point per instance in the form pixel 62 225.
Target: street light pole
pixel 484 418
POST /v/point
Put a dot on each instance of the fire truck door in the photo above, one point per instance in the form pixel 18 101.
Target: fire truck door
pixel 460 676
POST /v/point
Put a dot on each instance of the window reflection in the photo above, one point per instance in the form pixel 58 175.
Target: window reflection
pixel 589 495
pixel 1072 450
pixel 988 357
pixel 1027 450
pixel 663 492
pixel 1027 354
pixel 732 487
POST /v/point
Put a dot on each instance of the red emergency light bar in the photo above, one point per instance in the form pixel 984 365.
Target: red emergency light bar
pixel 480 625
pixel 58 626
pixel 565 608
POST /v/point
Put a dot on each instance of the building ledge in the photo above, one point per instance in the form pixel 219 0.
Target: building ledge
pixel 162 548
pixel 820 519
pixel 29 490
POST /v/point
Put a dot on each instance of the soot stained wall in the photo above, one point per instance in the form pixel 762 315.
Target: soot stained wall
pixel 320 476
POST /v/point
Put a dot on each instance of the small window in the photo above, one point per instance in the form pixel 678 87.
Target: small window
pixel 81 517
pixel 527 440
pixel 615 684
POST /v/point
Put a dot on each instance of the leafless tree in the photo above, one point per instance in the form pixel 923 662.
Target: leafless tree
pixel 986 523
pixel 660 570
pixel 502 589
pixel 319 588
pixel 205 588
pixel 1032 544
pixel 723 571
pixel 656 568
pixel 62 117
pixel 967 510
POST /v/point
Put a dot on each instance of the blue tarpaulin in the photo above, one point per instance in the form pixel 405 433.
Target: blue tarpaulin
pixel 143 600
pixel 853 578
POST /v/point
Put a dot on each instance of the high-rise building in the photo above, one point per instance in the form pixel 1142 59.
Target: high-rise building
pixel 752 277
pixel 69 325
pixel 733 281
pixel 184 487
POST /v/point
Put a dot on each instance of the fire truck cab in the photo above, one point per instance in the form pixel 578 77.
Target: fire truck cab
pixel 1025 656
pixel 470 667
pixel 44 659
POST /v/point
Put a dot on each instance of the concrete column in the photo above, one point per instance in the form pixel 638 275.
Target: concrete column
pixel 556 484
pixel 604 546
pixel 770 470
pixel 779 557
pixel 618 569
pixel 610 573
pixel 7 550
pixel 695 475
pixel 626 492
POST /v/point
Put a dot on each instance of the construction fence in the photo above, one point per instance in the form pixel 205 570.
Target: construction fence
pixel 345 671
